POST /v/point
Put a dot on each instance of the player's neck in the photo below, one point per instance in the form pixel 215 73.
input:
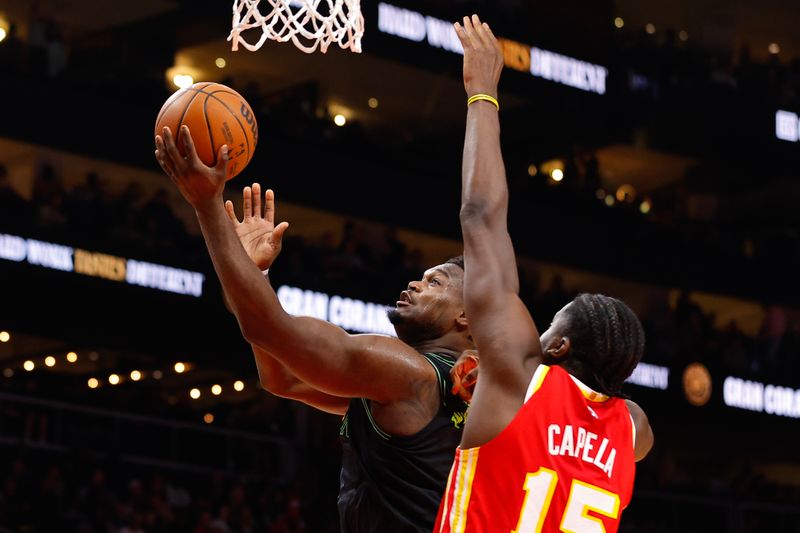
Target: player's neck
pixel 448 344
pixel 579 371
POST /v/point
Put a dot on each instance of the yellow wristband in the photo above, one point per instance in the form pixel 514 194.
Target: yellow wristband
pixel 480 96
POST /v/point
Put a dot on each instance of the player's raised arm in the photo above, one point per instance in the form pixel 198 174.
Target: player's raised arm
pixel 262 241
pixel 500 324
pixel 322 355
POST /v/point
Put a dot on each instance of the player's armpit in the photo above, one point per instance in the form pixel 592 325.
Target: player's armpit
pixel 644 433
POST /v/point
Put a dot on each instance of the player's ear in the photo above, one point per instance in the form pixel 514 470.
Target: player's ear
pixel 461 321
pixel 558 347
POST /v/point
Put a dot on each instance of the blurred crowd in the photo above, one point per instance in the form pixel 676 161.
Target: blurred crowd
pixel 43 492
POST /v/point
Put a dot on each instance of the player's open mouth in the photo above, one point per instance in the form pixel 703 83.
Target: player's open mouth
pixel 405 299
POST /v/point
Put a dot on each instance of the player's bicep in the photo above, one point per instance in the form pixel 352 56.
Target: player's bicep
pixel 644 438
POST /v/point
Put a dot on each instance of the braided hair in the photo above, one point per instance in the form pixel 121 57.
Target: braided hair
pixel 607 340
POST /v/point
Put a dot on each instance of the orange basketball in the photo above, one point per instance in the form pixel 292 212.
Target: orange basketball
pixel 216 115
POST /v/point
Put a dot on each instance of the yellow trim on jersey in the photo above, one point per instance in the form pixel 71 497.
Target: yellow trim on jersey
pixel 446 502
pixel 468 462
pixel 588 393
pixel 537 380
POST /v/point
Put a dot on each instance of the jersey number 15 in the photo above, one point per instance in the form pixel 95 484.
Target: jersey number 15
pixel 583 497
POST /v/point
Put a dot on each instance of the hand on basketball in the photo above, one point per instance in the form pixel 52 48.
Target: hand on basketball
pixel 262 240
pixel 198 183
pixel 464 374
pixel 483 56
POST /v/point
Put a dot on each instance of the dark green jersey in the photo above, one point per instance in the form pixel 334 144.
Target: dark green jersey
pixel 392 484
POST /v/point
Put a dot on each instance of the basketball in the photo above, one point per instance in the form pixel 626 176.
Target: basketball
pixel 216 115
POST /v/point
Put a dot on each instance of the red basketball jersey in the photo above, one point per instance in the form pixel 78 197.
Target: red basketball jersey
pixel 565 463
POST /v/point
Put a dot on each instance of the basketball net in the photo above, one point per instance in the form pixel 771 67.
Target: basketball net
pixel 299 21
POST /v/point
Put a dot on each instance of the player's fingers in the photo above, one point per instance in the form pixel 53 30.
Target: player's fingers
pixel 222 160
pixel 188 145
pixel 480 31
pixel 163 160
pixel 469 31
pixel 277 234
pixel 489 31
pixel 460 33
pixel 247 203
pixel 172 150
pixel 257 200
pixel 231 212
pixel 269 206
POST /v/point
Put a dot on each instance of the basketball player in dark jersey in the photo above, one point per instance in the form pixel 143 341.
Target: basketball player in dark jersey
pixel 402 425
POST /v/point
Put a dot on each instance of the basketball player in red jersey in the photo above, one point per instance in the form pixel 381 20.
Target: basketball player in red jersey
pixel 549 444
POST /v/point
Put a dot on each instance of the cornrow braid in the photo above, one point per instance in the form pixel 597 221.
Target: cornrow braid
pixel 607 340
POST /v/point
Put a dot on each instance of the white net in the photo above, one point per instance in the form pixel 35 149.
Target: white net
pixel 309 24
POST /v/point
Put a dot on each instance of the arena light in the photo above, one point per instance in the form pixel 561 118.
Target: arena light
pixel 50 361
pixel 182 81
pixel 238 386
pixel 72 357
pixel 683 35
pixel 8 372
pixel 113 379
pixel 136 375
pixel 216 390
pixel 194 394
pixel 94 356
pixel 220 62
pixel 5 336
pixel 340 120
pixel 619 22
pixel 626 193
pixel 373 103
pixel 2 34
pixel 600 194
pixel 787 126
pixel 208 418
pixel 532 170
pixel 774 48
pixel 650 28
pixel 180 368
pixel 697 384
pixel 28 365
pixel 552 169
pixel 609 200
pixel 157 374
pixel 645 206
pixel 93 383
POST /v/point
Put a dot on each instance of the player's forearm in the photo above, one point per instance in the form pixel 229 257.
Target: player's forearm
pixel 484 192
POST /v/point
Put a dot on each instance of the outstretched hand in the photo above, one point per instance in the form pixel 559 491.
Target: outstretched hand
pixel 201 185
pixel 261 239
pixel 483 56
